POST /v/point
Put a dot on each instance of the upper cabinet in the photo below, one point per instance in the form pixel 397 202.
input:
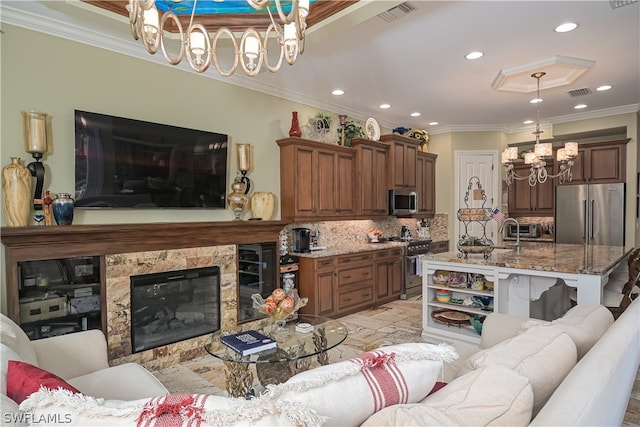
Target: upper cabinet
pixel 403 154
pixel 372 158
pixel 599 163
pixel 525 200
pixel 426 184
pixel 317 180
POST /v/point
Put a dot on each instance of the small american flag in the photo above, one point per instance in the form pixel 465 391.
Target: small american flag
pixel 498 215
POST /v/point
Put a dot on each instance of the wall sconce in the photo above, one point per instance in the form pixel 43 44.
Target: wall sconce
pixel 244 164
pixel 35 143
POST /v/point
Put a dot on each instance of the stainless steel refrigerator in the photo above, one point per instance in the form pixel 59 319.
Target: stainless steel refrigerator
pixel 591 213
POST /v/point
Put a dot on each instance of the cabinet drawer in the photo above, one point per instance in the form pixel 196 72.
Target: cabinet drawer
pixel 325 263
pixel 382 254
pixel 354 275
pixel 350 259
pixel 355 297
pixel 396 252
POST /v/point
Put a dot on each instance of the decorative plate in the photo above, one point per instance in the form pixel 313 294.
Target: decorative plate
pixel 372 129
pixel 451 317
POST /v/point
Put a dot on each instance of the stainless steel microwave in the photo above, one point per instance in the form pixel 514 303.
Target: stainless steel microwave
pixel 403 202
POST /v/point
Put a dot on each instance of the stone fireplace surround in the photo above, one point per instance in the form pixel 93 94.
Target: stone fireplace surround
pixel 132 249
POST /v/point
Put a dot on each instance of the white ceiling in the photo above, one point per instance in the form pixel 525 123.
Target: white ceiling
pixel 416 62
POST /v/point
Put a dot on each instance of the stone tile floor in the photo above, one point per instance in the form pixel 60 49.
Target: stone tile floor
pixel 392 323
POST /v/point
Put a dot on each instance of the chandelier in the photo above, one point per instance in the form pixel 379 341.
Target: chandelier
pixel 201 48
pixel 538 172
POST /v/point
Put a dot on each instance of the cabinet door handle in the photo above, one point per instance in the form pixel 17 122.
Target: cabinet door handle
pixel 347 299
pixel 347 277
pixel 365 273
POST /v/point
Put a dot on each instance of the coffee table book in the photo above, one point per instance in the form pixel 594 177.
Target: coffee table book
pixel 248 342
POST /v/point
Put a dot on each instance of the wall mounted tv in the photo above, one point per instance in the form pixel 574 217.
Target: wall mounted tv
pixel 126 163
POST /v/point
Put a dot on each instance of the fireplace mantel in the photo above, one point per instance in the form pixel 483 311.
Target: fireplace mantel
pixel 39 242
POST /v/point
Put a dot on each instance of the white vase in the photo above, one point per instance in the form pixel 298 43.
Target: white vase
pixel 263 205
pixel 16 189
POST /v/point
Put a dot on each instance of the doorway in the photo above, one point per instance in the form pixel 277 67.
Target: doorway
pixel 484 165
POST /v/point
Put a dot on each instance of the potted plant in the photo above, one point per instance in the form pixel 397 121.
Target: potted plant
pixel 323 121
pixel 351 130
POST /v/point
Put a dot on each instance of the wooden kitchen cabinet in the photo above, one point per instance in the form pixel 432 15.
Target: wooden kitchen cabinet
pixel 526 200
pixel 426 184
pixel 317 180
pixel 372 197
pixel 403 154
pixel 343 284
pixel 389 274
pixel 318 283
pixel 599 163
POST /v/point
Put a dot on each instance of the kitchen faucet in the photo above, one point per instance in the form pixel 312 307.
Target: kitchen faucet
pixel 515 221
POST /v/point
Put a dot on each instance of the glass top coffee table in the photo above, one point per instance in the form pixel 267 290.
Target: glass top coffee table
pixel 293 354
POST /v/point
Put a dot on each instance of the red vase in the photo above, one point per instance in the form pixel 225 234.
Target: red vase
pixel 295 125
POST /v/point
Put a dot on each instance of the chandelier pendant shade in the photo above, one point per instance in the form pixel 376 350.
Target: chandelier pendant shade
pixel 541 151
pixel 201 48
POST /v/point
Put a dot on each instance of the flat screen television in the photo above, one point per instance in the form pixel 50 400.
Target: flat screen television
pixel 127 163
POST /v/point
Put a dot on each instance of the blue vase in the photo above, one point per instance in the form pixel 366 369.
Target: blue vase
pixel 62 208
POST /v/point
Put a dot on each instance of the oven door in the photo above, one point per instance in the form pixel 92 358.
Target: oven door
pixel 412 276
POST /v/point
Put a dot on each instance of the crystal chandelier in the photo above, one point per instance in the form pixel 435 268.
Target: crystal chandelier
pixel 538 172
pixel 200 47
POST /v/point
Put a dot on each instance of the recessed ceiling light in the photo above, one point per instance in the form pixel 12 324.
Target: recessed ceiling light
pixel 527 122
pixel 603 87
pixel 337 92
pixel 535 101
pixel 416 114
pixel 580 106
pixel 385 106
pixel 566 27
pixel 474 55
pixel 433 123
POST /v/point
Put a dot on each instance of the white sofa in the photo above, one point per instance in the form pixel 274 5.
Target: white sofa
pixel 486 385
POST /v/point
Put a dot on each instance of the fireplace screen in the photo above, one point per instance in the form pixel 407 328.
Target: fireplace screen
pixel 174 306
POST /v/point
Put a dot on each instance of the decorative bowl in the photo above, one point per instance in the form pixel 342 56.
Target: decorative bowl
pixel 443 295
pixel 485 302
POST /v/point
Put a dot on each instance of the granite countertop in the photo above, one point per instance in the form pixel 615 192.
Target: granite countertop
pixel 352 249
pixel 561 258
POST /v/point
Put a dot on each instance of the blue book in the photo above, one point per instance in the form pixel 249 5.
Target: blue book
pixel 248 342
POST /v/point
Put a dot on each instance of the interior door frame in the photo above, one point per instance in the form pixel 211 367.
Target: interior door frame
pixel 459 190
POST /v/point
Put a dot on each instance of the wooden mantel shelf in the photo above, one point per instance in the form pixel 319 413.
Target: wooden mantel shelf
pixel 39 242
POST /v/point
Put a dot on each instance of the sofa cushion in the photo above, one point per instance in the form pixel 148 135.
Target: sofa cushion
pixel 174 409
pixel 6 354
pixel 11 415
pixel 349 392
pixel 107 383
pixel 13 336
pixel 544 354
pixel 585 324
pixel 494 395
pixel 24 378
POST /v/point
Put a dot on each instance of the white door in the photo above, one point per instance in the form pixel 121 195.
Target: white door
pixel 482 164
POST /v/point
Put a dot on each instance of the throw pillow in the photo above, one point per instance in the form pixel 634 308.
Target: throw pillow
pixel 349 392
pixel 544 354
pixel 494 395
pixel 193 410
pixel 23 379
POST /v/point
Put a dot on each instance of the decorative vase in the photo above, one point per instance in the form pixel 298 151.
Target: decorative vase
pixel 62 208
pixel 262 205
pixel 237 200
pixel 16 190
pixel 295 125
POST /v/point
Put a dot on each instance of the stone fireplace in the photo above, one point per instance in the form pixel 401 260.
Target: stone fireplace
pixel 127 250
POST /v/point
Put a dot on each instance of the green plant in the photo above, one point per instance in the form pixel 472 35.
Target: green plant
pixel 323 120
pixel 351 130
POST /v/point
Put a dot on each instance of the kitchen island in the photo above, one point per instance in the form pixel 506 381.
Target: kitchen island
pixel 516 278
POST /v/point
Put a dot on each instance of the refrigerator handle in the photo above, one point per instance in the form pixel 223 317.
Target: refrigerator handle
pixel 591 221
pixel 585 220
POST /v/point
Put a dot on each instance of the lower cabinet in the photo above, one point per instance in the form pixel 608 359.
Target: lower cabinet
pixel 342 284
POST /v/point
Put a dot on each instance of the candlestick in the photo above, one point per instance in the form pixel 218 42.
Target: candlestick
pixel 244 157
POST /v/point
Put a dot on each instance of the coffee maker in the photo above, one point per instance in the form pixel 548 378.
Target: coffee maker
pixel 301 242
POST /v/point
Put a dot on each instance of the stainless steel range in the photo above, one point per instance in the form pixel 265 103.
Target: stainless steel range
pixel 412 267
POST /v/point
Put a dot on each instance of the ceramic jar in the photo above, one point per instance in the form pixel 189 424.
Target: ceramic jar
pixel 62 208
pixel 16 191
pixel 263 205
